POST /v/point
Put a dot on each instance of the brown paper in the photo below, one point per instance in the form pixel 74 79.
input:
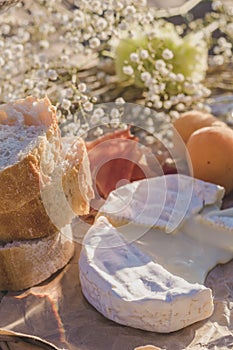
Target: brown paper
pixel 57 313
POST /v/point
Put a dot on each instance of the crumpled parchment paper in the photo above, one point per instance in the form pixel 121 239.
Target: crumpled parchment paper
pixel 56 313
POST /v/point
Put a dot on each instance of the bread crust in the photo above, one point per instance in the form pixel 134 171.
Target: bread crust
pixel 20 183
pixel 77 181
pixel 25 264
pixel 29 222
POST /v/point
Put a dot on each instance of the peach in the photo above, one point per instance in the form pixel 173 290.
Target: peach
pixel 211 155
pixel 194 120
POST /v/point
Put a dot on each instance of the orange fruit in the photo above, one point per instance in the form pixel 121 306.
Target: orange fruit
pixel 211 155
pixel 192 121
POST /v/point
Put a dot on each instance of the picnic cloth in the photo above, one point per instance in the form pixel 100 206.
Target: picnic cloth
pixel 55 315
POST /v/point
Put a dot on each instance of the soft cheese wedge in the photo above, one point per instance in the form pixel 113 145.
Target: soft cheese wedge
pixel 128 287
pixel 202 235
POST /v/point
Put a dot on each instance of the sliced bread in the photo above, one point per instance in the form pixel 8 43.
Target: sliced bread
pixel 27 263
pixel 77 180
pixel 30 147
pixel 67 194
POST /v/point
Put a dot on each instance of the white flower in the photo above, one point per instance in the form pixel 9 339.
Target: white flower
pixel 180 77
pixel 174 114
pixel 218 60
pixel 167 104
pixel 217 5
pixel 98 132
pixel 88 106
pixel 41 73
pixel 144 54
pixel 98 112
pixel 167 54
pixel 172 76
pixel 164 71
pixel 120 101
pixel 69 93
pixel 2 62
pixel 29 83
pixel 160 64
pixel 129 11
pixel 82 87
pixel 8 54
pixel 44 44
pixel 101 24
pixel 158 104
pixel 145 76
pixel 128 70
pixel 52 74
pixel 115 122
pixel 115 113
pixel 94 43
pixel 97 7
pixel 180 107
pixel 189 88
pixel 134 57
pixel 66 104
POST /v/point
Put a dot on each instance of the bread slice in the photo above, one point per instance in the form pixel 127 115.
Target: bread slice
pixel 27 263
pixel 77 180
pixel 30 147
pixel 66 195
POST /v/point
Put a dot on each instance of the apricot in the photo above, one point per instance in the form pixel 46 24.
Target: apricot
pixel 211 155
pixel 192 121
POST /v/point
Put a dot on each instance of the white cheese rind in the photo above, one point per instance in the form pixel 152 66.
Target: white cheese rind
pixel 162 202
pixel 128 287
pixel 203 236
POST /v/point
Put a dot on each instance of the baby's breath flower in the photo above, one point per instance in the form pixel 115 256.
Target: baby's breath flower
pixel 98 112
pixel 158 104
pixel 29 83
pixel 167 104
pixel 94 43
pixel 120 101
pixel 115 122
pixel 144 54
pixel 180 107
pixel 44 44
pixel 98 132
pixel 66 104
pixel 2 62
pixel 164 71
pixel 218 60
pixel 88 106
pixel 128 70
pixel 216 5
pixel 134 57
pixel 160 64
pixel 145 76
pixel 167 54
pixel 52 74
pixel 69 93
pixel 115 113
pixel 129 11
pixel 101 24
pixel 179 77
pixel 174 114
pixel 82 87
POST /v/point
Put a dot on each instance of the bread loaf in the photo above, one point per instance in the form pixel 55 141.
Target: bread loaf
pixel 29 222
pixel 30 147
pixel 27 263
pixel 44 184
